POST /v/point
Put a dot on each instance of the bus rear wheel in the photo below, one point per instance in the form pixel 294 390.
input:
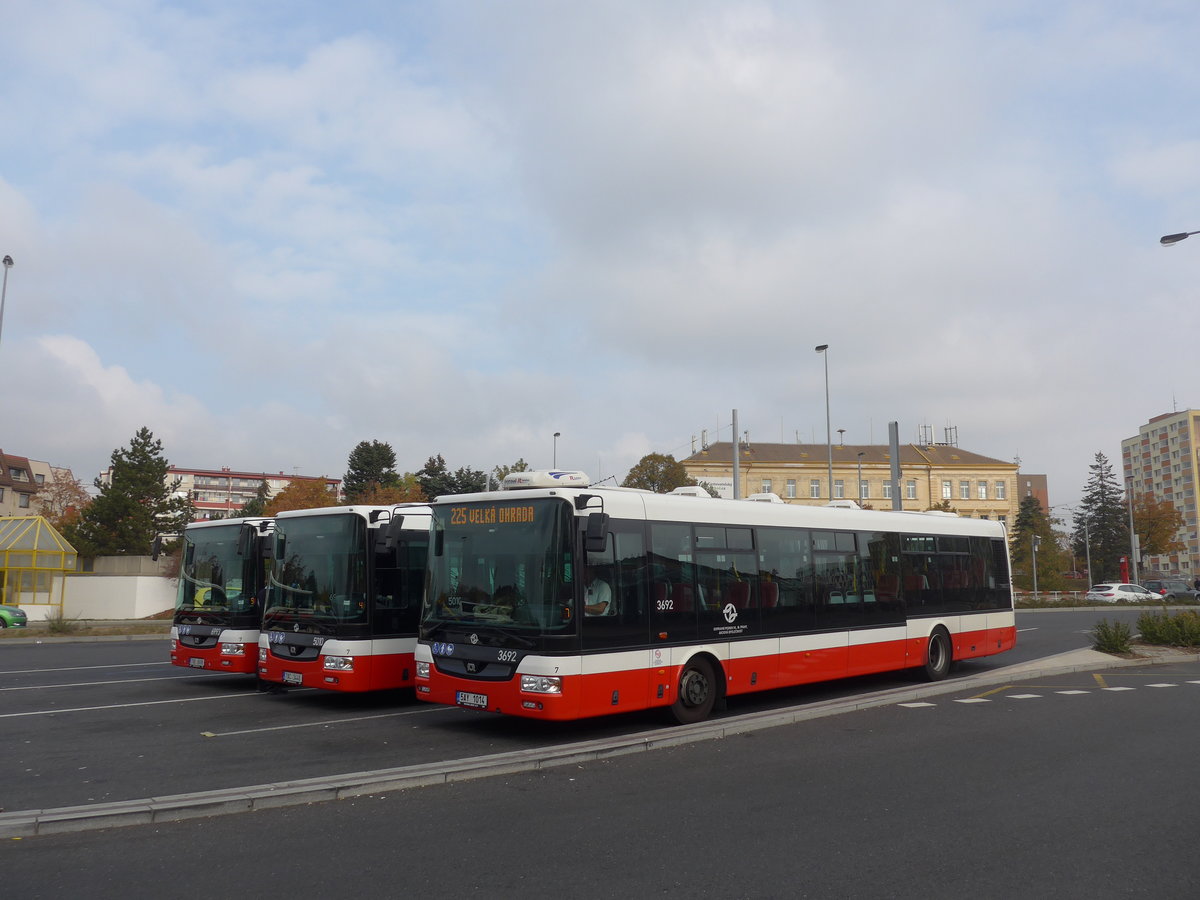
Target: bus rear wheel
pixel 696 694
pixel 938 655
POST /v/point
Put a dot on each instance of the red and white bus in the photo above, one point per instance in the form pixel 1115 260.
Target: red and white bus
pixel 698 598
pixel 218 607
pixel 344 597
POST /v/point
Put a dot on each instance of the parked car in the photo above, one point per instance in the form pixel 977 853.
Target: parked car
pixel 12 617
pixel 1170 588
pixel 1120 593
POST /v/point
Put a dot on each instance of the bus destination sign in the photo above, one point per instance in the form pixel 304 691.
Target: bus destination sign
pixel 491 515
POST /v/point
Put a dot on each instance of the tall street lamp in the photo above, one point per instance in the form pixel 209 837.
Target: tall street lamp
pixel 822 348
pixel 8 264
pixel 860 494
pixel 1168 239
pixel 555 457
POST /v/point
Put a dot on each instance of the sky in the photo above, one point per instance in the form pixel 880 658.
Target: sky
pixel 269 231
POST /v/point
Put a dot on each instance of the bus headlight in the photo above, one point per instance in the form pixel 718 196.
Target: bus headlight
pixel 339 663
pixel 541 684
pixel 233 650
pixel 422 670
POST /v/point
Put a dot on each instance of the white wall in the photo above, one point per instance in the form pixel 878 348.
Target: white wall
pixel 109 597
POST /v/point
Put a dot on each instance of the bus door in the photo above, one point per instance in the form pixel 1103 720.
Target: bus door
pixel 615 618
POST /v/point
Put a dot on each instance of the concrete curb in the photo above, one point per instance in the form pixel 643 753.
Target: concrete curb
pixel 178 807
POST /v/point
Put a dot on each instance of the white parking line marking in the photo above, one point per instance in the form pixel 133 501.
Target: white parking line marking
pixel 916 705
pixel 83 668
pixel 54 712
pixel 1162 685
pixel 408 712
pixel 1023 696
pixel 1118 689
pixel 38 687
pixel 973 700
pixel 1072 692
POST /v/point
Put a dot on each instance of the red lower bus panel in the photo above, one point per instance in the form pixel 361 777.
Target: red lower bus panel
pixel 370 673
pixel 210 659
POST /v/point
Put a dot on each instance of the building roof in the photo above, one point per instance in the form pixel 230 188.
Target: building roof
pixel 937 455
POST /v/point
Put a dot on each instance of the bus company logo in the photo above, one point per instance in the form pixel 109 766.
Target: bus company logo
pixel 730 613
pixel 440 649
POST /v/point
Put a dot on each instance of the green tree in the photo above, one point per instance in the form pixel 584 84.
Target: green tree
pixel 435 479
pixel 658 472
pixel 1103 511
pixel 499 472
pixel 138 502
pixel 1033 525
pixel 258 505
pixel 371 464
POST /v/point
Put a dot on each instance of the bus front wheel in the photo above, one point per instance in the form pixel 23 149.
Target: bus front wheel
pixel 938 655
pixel 696 694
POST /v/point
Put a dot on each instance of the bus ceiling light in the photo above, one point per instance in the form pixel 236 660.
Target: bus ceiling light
pixel 541 684
pixel 544 478
pixel 339 663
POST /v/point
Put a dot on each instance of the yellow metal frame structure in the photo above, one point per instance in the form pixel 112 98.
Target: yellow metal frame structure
pixel 32 554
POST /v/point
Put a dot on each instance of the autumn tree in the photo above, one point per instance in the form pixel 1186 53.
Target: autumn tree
pixel 1156 523
pixel 137 503
pixel 1102 518
pixel 302 493
pixel 658 472
pixel 63 499
pixel 370 467
pixel 406 490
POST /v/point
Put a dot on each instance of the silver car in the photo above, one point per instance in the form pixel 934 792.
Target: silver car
pixel 1113 592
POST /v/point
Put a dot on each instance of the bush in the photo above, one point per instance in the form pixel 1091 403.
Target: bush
pixel 59 623
pixel 1179 630
pixel 1114 637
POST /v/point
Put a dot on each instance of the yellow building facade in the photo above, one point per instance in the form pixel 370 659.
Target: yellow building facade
pixel 974 485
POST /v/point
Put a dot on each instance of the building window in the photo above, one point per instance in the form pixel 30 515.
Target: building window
pixel 964 490
pixel 23 501
pixel 982 486
pixel 39 478
pixel 17 474
pixel 947 490
pixel 1003 520
pixel 1 495
pixel 766 485
pixel 1001 491
pixel 910 489
pixel 814 488
pixel 839 489
pixel 887 490
pixel 791 488
pixel 864 490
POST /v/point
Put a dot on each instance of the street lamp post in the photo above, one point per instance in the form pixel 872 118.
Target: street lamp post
pixel 1133 538
pixel 1168 239
pixel 555 457
pixel 822 349
pixel 1036 542
pixel 8 264
pixel 860 494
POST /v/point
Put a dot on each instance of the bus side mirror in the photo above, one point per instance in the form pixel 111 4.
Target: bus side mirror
pixel 596 536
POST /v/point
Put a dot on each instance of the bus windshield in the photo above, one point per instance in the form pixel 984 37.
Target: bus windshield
pixel 320 570
pixel 215 583
pixel 504 565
